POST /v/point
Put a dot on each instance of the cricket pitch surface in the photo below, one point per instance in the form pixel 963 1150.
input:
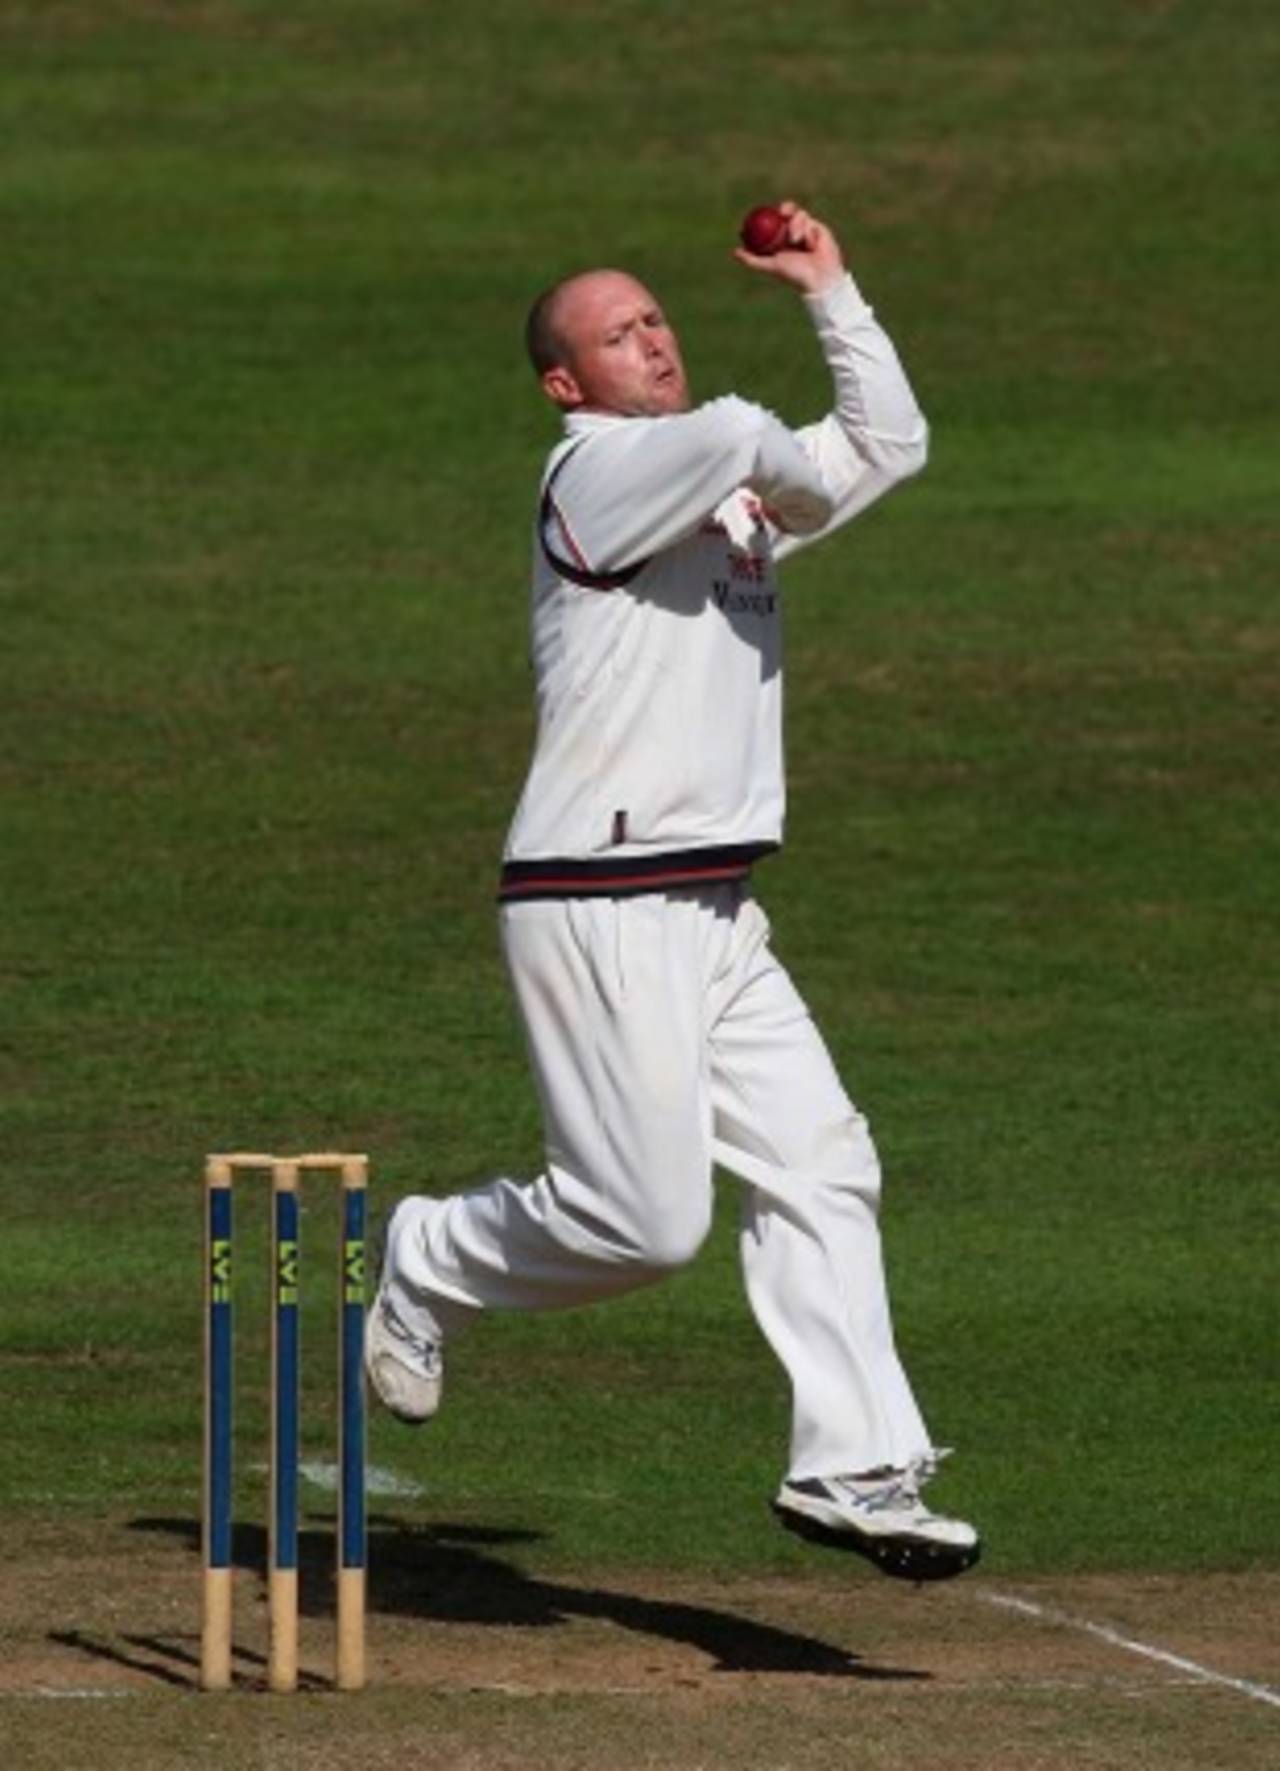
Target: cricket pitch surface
pixel 478 1665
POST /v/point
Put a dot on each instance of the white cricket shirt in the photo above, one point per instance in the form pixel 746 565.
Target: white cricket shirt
pixel 657 621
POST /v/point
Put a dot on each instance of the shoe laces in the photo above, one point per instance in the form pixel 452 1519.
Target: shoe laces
pixel 890 1490
pixel 425 1351
pixel 924 1467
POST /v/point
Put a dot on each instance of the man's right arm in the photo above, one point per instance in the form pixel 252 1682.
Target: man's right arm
pixel 638 486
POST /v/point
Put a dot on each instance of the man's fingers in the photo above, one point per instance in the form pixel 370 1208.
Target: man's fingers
pixel 809 257
pixel 805 233
pixel 769 265
pixel 803 227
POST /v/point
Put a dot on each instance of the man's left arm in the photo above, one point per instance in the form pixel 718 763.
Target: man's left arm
pixel 875 435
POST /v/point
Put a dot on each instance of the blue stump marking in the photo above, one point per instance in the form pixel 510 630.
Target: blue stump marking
pixel 218 1380
pixel 351 1495
pixel 285 1521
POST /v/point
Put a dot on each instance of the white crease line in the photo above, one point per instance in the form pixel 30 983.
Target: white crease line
pixel 380 1482
pixel 1205 1675
pixel 503 1688
pixel 53 1691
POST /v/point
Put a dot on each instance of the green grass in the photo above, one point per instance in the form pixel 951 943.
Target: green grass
pixel 267 453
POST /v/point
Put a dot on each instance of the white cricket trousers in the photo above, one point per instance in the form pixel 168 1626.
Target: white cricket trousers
pixel 664 1036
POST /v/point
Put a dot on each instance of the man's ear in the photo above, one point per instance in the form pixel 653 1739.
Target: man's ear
pixel 560 384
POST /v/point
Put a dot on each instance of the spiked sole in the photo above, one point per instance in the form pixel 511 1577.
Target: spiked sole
pixel 903 1558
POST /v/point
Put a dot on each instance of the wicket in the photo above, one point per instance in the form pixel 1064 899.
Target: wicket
pixel 282 1566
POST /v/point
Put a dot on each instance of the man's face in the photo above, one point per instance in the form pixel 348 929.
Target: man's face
pixel 620 353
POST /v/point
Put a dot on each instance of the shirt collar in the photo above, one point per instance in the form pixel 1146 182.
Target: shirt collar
pixel 577 424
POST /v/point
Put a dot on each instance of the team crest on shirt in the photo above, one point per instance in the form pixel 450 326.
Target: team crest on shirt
pixel 743 586
pixel 731 601
pixel 741 575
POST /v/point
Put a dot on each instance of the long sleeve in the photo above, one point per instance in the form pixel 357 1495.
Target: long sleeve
pixel 635 486
pixel 876 434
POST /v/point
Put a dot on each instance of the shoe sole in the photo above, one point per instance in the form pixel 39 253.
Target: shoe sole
pixel 902 1558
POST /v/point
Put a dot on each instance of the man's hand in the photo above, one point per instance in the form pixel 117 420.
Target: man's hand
pixel 810 261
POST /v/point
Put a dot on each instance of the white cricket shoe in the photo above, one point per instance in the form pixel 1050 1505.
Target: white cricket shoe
pixel 404 1369
pixel 881 1516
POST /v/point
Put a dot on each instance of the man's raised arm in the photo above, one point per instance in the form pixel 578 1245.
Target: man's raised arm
pixel 876 434
pixel 635 486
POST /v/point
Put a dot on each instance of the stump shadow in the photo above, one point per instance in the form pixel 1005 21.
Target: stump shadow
pixel 452 1572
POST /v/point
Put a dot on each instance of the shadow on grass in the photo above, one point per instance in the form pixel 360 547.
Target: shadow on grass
pixel 172 1660
pixel 453 1573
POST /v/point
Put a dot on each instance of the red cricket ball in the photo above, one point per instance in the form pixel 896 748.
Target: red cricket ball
pixel 764 231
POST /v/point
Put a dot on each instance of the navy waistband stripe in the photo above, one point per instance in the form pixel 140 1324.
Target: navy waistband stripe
pixel 627 875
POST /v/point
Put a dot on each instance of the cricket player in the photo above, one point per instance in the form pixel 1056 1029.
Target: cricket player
pixel 663 1033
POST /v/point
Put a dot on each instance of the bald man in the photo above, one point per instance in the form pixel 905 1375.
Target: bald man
pixel 664 1035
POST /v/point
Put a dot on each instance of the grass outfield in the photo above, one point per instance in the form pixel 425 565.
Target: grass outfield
pixel 267 455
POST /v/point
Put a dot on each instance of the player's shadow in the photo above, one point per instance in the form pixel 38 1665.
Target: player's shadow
pixel 452 1573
